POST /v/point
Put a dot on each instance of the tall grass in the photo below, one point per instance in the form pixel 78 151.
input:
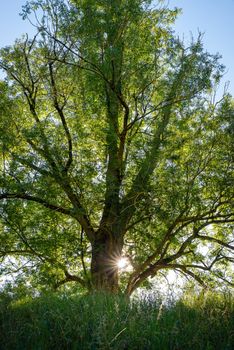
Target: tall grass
pixel 105 322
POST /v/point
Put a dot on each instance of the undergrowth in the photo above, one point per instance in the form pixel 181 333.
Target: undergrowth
pixel 205 322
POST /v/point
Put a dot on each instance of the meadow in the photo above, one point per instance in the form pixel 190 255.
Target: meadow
pixel 60 321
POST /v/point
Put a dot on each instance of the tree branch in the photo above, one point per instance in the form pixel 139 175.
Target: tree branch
pixel 216 240
pixel 59 109
pixel 39 200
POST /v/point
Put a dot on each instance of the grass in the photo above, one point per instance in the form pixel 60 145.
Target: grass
pixel 105 322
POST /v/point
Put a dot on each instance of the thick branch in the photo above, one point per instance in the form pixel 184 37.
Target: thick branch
pixel 113 173
pixel 39 200
pixel 70 278
pixel 149 164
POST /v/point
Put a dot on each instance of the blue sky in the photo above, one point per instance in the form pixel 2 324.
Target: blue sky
pixel 215 18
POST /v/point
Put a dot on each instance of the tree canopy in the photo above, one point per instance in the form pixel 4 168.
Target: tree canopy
pixel 113 144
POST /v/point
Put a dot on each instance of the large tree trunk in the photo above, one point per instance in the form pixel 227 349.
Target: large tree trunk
pixel 106 250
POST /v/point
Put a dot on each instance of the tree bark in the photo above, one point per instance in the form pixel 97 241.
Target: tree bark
pixel 106 250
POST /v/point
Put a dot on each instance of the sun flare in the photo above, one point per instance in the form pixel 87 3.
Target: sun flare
pixel 122 263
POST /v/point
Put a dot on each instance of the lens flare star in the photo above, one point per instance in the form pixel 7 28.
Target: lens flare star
pixel 122 263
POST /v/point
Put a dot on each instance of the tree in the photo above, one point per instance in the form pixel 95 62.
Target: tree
pixel 112 144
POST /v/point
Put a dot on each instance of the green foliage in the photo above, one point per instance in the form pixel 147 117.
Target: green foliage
pixel 112 143
pixel 107 322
